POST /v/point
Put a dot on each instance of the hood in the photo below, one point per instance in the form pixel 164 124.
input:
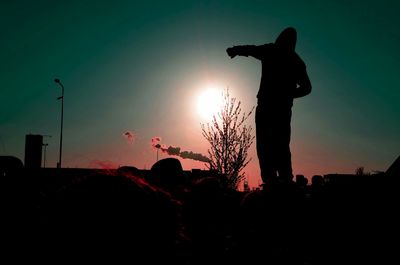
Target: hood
pixel 287 39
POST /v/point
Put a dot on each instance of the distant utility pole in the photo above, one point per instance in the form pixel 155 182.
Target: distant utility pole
pixel 62 119
pixel 44 155
pixel 44 151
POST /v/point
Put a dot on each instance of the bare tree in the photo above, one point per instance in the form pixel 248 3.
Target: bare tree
pixel 230 139
pixel 361 172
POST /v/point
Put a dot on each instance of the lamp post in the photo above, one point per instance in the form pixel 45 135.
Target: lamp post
pixel 44 151
pixel 44 155
pixel 62 119
pixel 157 155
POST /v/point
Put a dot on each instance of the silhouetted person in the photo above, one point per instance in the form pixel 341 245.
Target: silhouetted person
pixel 301 181
pixel 284 77
pixel 168 175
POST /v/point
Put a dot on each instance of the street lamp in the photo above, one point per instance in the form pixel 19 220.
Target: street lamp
pixel 62 119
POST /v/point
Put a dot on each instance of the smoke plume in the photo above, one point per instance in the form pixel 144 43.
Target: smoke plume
pixel 155 140
pixel 130 136
pixel 176 151
pixel 194 156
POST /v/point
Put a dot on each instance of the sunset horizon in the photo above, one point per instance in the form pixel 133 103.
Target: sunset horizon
pixel 148 69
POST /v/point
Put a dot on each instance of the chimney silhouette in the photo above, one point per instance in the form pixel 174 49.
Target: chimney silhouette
pixel 33 151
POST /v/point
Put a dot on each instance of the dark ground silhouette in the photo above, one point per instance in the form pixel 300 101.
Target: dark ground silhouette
pixel 128 215
pixel 284 77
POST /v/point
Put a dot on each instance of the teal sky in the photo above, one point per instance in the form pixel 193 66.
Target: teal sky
pixel 140 66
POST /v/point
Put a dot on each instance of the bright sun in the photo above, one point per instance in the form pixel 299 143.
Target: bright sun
pixel 209 102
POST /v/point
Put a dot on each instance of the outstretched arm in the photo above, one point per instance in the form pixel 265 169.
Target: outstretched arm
pixel 245 50
pixel 303 84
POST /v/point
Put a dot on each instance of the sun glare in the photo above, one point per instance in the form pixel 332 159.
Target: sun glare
pixel 209 102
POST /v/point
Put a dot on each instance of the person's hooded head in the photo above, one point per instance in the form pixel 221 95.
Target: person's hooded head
pixel 287 39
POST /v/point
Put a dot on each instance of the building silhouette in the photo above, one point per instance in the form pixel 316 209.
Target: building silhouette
pixel 33 151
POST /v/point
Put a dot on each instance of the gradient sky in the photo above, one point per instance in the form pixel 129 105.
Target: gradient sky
pixel 140 66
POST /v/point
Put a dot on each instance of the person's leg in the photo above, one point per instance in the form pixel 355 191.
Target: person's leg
pixel 265 146
pixel 285 164
pixel 283 140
